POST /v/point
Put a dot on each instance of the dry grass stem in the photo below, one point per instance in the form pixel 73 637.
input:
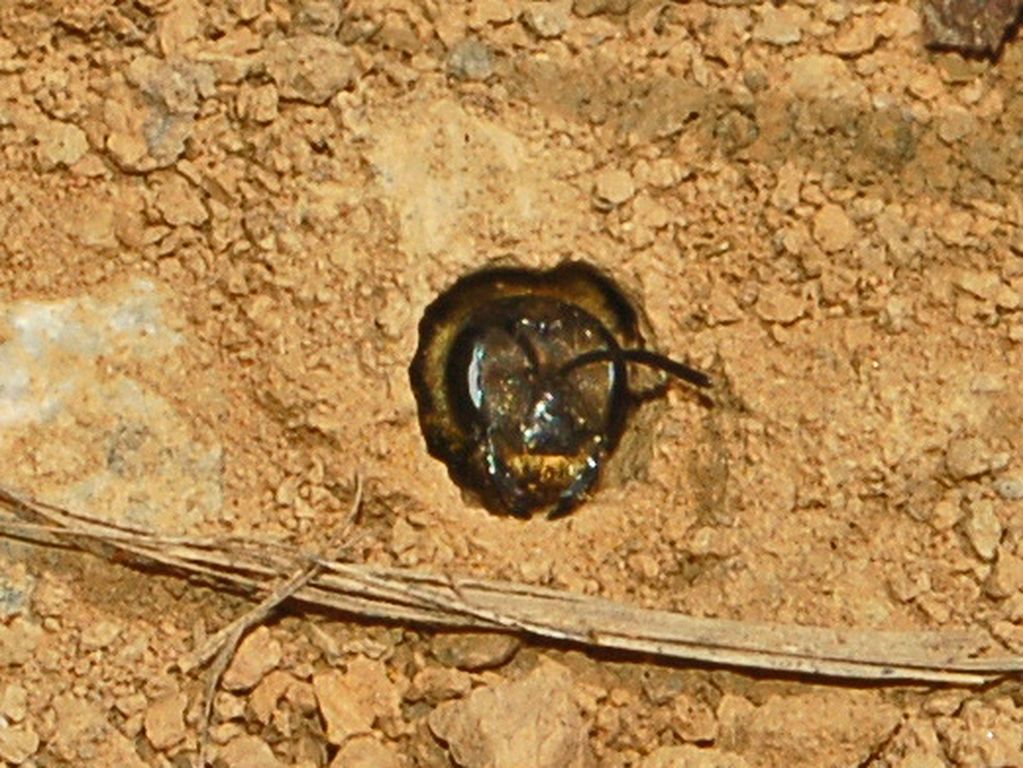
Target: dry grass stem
pixel 281 573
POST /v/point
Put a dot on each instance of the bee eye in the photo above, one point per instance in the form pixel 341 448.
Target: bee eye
pixel 522 383
pixel 493 364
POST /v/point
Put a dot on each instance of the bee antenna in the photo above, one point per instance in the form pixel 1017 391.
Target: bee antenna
pixel 641 357
pixel 669 366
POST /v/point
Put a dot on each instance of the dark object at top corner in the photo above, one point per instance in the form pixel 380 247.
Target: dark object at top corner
pixel 977 27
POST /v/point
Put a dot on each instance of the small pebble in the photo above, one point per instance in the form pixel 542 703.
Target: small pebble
pixel 983 529
pixel 15 591
pixel 310 68
pixel 780 26
pixel 351 701
pixel 1010 634
pixel 1013 608
pixel 859 39
pixel 546 20
pixel 820 76
pixel 228 706
pixel 257 655
pixel 366 752
pixel 786 192
pixel 165 721
pixel 1006 577
pixel 956 123
pixel 18 642
pixel 248 752
pixel 833 229
pixel 999 460
pixel 61 144
pixel 437 684
pixel 534 720
pixel 692 756
pixel 271 689
pixel 944 703
pixel 982 285
pixel 777 305
pixel 693 720
pixel 100 635
pixel 967 457
pixel 587 8
pixel 474 651
pixel 613 187
pixel 1009 487
pixel 470 59
pixel 14 703
pixel 131 704
pixel 180 203
pixel 18 744
pixel 343 709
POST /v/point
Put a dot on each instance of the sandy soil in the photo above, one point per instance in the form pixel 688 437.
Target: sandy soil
pixel 219 226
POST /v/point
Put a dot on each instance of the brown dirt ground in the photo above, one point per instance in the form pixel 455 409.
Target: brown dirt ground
pixel 808 204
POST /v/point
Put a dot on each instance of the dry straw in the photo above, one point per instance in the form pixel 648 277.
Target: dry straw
pixel 272 573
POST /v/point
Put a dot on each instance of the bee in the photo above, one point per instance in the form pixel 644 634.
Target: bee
pixel 522 381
